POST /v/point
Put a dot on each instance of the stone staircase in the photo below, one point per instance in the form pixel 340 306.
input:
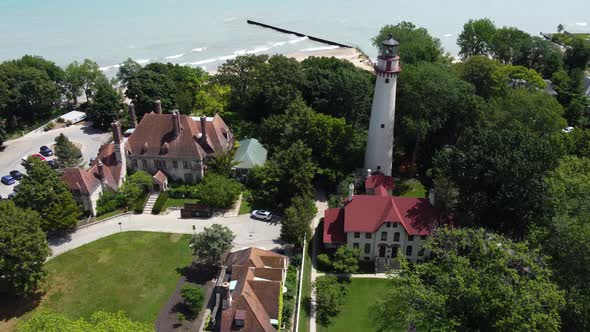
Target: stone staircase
pixel 385 264
pixel 149 205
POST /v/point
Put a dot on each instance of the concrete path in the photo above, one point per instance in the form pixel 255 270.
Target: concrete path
pixel 359 275
pixel 249 232
pixel 321 204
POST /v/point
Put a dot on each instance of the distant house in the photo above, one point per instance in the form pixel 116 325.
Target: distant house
pixel 177 144
pixel 107 172
pixel 250 153
pixel 381 226
pixel 249 291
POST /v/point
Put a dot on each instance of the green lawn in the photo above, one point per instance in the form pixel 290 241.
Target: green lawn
pixel 177 202
pixel 131 271
pixel 354 314
pixel 410 188
pixel 306 292
pixel 245 207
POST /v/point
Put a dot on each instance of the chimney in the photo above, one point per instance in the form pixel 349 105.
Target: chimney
pixel 176 123
pixel 117 136
pixel 350 191
pixel 368 172
pixel 431 196
pixel 158 106
pixel 100 170
pixel 204 127
pixel 225 295
pixel 132 115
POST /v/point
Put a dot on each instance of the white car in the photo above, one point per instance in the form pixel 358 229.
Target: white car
pixel 568 129
pixel 261 214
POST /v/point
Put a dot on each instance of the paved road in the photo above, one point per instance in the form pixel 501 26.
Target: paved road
pixel 249 232
pixel 89 138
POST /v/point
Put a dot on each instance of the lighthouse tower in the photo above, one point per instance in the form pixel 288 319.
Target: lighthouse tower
pixel 379 153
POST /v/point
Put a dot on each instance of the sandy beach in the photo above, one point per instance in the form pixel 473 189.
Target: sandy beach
pixel 344 53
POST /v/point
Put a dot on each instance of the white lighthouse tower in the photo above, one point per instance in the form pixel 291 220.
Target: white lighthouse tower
pixel 379 153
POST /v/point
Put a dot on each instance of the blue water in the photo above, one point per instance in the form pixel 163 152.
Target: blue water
pixel 205 34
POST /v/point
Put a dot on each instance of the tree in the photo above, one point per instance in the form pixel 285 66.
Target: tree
pixel 560 28
pixel 83 77
pixel 577 54
pixel 475 281
pixel 289 173
pixel 415 44
pixel 446 196
pixel 336 87
pixel 194 297
pixel 296 220
pixel 23 248
pixel 100 321
pixel 217 191
pixel 210 245
pixel 223 163
pixel 135 187
pixel 67 153
pixel 346 260
pixel 42 190
pixel 2 133
pixel 476 37
pixel 330 295
pixel 482 72
pixel 105 108
pixel 127 70
pixel 499 174
pixel 214 98
pixel 571 94
pixel 509 45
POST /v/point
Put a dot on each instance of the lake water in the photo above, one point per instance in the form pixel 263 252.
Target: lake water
pixel 206 33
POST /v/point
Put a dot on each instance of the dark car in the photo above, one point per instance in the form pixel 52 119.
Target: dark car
pixel 11 195
pixel 44 150
pixel 7 180
pixel 52 164
pixel 15 189
pixel 16 175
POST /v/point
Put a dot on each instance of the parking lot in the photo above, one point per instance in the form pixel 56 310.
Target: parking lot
pixel 87 137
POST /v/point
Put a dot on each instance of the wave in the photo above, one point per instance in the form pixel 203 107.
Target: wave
pixel 321 48
pixel 230 19
pixel 198 49
pixel 171 57
pixel 582 24
pixel 448 35
pixel 142 61
pixel 109 67
pixel 298 40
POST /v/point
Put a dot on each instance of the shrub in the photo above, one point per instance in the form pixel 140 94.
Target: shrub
pixel 324 262
pixel 140 203
pixel 180 317
pixel 346 260
pixel 49 126
pixel 330 294
pixel 60 120
pixel 162 198
pixel 194 297
pixel 182 191
pixel 109 201
pixel 217 192
pixel 289 296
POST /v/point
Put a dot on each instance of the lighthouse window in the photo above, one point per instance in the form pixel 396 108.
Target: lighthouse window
pixel 378 168
pixel 387 80
pixel 383 125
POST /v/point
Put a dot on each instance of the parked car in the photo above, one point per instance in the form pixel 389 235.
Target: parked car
pixel 52 163
pixel 16 174
pixel 15 189
pixel 11 195
pixel 44 150
pixel 261 214
pixel 568 129
pixel 8 180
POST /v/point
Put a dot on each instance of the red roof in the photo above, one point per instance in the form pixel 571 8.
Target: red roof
pixel 334 226
pixel 379 179
pixel 367 213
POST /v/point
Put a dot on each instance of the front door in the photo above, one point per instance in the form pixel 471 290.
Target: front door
pixel 382 251
pixel 394 251
pixel 156 187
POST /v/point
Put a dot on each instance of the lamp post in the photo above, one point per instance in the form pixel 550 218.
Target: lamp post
pixel 120 227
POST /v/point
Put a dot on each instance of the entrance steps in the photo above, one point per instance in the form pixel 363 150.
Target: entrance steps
pixel 149 205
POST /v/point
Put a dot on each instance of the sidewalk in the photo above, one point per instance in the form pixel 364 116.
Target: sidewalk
pixel 321 204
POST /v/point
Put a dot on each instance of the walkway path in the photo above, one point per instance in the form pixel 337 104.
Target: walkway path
pixel 358 275
pixel 321 204
pixel 249 232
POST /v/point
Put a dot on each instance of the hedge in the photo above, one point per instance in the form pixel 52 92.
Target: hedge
pixel 162 198
pixel 140 204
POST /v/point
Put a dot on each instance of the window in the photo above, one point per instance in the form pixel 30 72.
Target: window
pixel 394 225
pixel 367 248
pixel 160 163
pixel 188 178
pixel 383 125
pixel 396 236
pixel 423 237
pixel 175 164
pixel 367 259
pixel 185 164
pixel 357 235
pixel 383 236
pixel 134 163
pixel 410 238
pixel 388 224
pixel 144 163
pixel 368 236
pixel 409 251
pixel 355 245
pixel 421 252
pixel 378 168
pixel 419 261
pixel 386 80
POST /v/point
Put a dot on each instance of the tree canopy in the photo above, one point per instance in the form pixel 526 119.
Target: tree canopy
pixel 100 321
pixel 475 281
pixel 416 45
pixel 296 220
pixel 105 108
pixel 67 153
pixel 210 244
pixel 23 249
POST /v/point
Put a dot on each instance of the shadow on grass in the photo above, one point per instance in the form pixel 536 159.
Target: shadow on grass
pixel 12 306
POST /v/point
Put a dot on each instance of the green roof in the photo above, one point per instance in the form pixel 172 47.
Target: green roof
pixel 250 153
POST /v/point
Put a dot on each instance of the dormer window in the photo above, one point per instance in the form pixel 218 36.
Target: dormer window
pixel 240 318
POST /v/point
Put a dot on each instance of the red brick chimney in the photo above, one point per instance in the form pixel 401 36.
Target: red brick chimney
pixel 158 106
pixel 117 136
pixel 100 167
pixel 204 127
pixel 176 123
pixel 132 116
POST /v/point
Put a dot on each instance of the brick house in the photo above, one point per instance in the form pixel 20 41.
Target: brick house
pixel 176 144
pixel 381 226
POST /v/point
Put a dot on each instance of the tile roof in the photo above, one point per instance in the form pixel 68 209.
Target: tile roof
pixel 155 137
pixel 379 179
pixel 259 274
pixel 366 213
pixel 78 179
pixel 160 176
pixel 250 153
pixel 86 181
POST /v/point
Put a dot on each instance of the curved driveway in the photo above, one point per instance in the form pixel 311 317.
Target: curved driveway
pixel 249 232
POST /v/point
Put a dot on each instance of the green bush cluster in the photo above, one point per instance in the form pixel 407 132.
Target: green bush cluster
pixel 140 203
pixel 183 191
pixel 324 262
pixel 162 198
pixel 194 297
pixel 290 295
pixel 109 201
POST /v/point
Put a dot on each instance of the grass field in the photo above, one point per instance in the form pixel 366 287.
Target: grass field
pixel 177 202
pixel 354 314
pixel 245 207
pixel 110 214
pixel 131 271
pixel 410 188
